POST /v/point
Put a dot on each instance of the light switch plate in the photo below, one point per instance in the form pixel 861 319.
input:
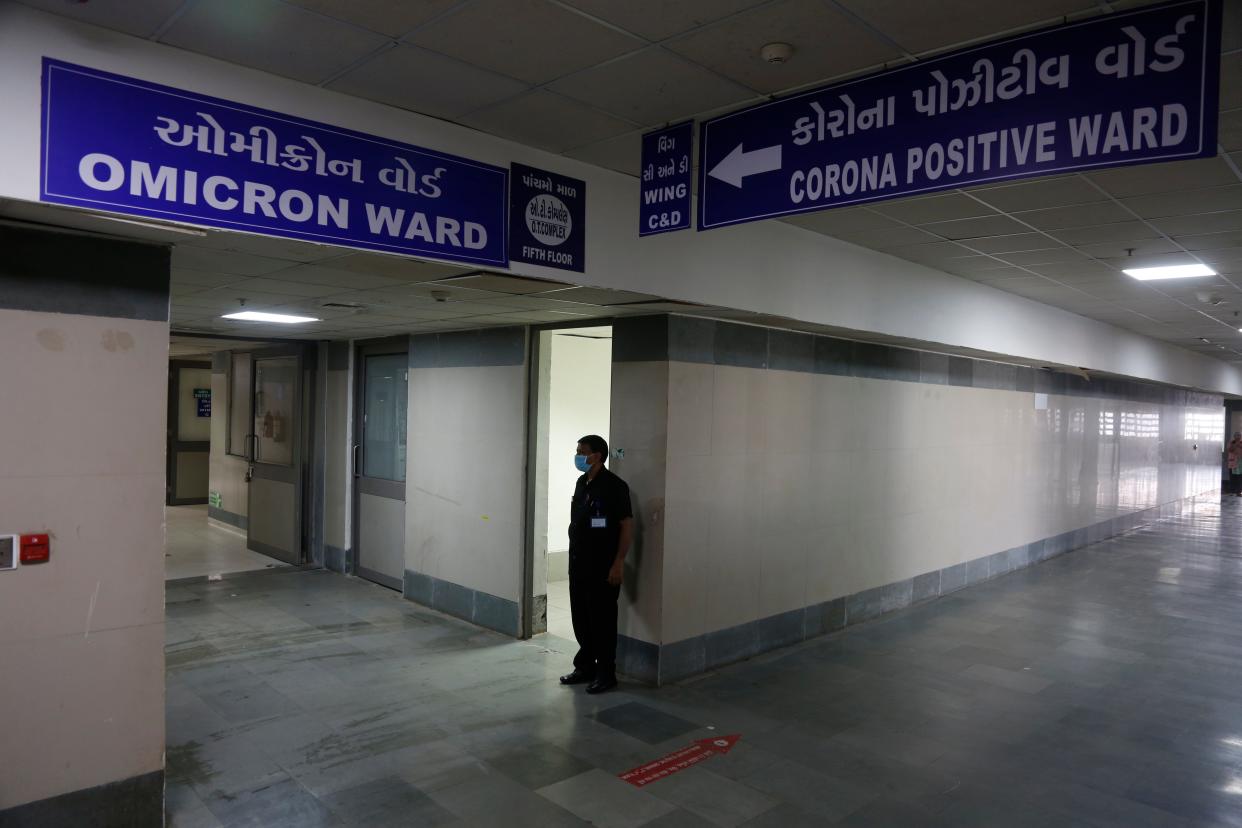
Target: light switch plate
pixel 8 552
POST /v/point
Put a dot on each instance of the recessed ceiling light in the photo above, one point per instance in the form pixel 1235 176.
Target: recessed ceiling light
pixel 1145 274
pixel 260 316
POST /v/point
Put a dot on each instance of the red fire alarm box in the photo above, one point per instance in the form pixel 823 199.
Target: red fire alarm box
pixel 35 549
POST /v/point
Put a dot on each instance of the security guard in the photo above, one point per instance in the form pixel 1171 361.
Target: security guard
pixel 601 528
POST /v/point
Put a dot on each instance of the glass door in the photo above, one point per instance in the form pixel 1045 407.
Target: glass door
pixel 274 450
pixel 381 400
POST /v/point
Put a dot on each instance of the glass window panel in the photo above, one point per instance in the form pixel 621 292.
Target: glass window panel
pixel 383 424
pixel 239 404
pixel 275 381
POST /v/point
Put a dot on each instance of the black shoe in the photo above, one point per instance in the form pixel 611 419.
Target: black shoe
pixel 577 677
pixel 601 685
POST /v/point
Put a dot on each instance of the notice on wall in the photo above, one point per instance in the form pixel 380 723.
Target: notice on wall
pixel 202 399
pixel 1124 88
pixel 124 145
pixel 215 500
pixel 665 188
pixel 547 214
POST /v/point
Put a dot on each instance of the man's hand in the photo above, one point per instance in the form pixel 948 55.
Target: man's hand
pixel 616 573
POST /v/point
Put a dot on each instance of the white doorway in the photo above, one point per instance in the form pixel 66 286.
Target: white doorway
pixel 574 400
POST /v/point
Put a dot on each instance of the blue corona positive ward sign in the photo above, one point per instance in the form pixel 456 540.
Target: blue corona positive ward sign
pixel 1124 88
pixel 128 146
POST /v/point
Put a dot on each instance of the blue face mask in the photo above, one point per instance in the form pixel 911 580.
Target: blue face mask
pixel 582 462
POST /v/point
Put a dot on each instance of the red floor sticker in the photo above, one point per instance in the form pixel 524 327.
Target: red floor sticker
pixel 679 760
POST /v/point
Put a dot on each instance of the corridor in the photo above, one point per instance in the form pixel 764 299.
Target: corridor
pixel 1098 688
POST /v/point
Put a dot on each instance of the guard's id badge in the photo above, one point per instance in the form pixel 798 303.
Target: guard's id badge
pixel 599 523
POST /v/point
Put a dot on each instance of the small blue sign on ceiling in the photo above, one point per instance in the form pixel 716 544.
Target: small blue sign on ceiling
pixel 128 146
pixel 665 188
pixel 1124 88
pixel 547 214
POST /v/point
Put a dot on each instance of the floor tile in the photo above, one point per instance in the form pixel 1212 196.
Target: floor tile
pixel 602 799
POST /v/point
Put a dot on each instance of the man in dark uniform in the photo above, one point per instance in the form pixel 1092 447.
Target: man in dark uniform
pixel 601 527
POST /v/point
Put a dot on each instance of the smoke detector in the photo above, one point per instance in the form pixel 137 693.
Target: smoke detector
pixel 1207 297
pixel 440 295
pixel 776 52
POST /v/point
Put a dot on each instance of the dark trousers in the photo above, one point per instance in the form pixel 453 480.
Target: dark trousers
pixel 1235 483
pixel 593 608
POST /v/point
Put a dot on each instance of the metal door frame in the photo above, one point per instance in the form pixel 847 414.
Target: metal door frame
pixel 391 489
pixel 526 606
pixel 295 473
pixel 174 444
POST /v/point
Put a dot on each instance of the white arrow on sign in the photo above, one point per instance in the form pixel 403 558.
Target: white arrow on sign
pixel 738 164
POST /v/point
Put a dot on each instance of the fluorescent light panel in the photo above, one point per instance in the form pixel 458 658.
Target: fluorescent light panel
pixel 1146 274
pixel 260 316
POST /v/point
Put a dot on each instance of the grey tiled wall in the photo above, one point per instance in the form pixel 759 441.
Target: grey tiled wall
pixel 691 339
pixel 670 662
pixel 471 605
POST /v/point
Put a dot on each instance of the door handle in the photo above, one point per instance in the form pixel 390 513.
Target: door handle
pixel 357 469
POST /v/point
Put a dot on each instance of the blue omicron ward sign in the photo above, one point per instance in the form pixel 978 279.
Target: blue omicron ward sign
pixel 1123 88
pixel 128 146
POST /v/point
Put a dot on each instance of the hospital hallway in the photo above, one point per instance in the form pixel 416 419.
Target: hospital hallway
pixel 1097 688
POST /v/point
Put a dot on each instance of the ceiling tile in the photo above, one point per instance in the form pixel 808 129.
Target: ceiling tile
pixel 1036 195
pixel 545 120
pixel 974 264
pixel 622 153
pixel 337 278
pixel 421 81
pixel 843 220
pixel 1121 231
pixel 1187 202
pixel 225 261
pixel 396 267
pixel 272 247
pixel 271 36
pixel 391 17
pixel 1202 223
pixel 281 287
pixel 203 278
pixel 533 40
pixel 652 86
pixel 497 283
pixel 1142 179
pixel 975 227
pixel 658 19
pixel 142 19
pixel 826 44
pixel 1132 248
pixel 1229 130
pixel 1051 255
pixel 597 296
pixel 1211 241
pixel 931 252
pixel 1057 218
pixel 920 27
pixel 1013 243
pixel 1231 81
pixel 933 208
pixel 888 238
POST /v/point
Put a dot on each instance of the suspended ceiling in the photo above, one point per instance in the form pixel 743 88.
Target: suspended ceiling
pixel 587 77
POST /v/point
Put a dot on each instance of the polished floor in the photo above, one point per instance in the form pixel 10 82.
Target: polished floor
pixel 559 621
pixel 1102 688
pixel 195 547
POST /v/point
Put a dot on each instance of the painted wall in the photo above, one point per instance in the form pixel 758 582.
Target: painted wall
pixel 805 276
pixel 799 470
pixel 578 404
pixel 466 474
pixel 82 637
